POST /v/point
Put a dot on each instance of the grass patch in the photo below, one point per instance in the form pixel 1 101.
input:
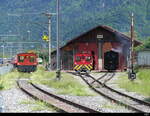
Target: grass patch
pixel 37 105
pixel 8 80
pixel 1 84
pixel 139 85
pixel 67 84
pixel 113 106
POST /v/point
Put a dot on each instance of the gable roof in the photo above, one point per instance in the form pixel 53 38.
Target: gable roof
pixel 108 29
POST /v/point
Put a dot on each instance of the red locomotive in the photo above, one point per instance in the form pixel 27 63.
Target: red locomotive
pixel 83 62
pixel 26 62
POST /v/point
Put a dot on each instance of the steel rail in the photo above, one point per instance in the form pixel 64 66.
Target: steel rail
pixel 123 94
pixel 53 99
pixel 140 101
pixel 105 93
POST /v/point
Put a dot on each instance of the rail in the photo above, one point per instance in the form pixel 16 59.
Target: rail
pixel 53 99
pixel 121 98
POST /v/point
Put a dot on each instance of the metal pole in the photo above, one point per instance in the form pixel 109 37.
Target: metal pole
pixel 49 36
pixel 132 74
pixel 49 33
pixel 28 34
pixel 3 53
pixel 132 40
pixel 11 52
pixel 58 37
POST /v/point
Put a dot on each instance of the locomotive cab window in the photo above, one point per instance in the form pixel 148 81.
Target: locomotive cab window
pixel 78 58
pixel 20 58
pixel 32 59
pixel 87 58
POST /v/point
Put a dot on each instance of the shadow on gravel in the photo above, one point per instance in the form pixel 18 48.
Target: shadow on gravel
pixel 147 99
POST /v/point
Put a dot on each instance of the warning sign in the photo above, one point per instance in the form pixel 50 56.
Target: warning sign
pixel 45 37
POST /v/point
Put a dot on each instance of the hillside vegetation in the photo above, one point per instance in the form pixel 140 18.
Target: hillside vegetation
pixel 77 16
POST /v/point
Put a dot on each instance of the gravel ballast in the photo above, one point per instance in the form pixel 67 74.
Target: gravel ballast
pixel 112 83
pixel 1 104
pixel 97 102
pixel 12 101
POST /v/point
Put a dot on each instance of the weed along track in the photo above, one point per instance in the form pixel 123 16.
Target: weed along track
pixel 44 95
pixel 121 98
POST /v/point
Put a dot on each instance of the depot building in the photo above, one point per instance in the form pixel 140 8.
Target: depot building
pixel 106 43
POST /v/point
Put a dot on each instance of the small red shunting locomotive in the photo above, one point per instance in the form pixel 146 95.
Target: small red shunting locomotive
pixel 83 62
pixel 26 62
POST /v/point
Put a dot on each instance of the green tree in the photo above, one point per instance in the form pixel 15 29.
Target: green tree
pixel 146 45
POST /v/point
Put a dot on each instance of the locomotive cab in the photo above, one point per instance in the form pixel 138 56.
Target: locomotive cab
pixel 83 62
pixel 26 62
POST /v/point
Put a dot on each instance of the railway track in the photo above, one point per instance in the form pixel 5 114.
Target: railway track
pixel 44 95
pixel 103 79
pixel 121 98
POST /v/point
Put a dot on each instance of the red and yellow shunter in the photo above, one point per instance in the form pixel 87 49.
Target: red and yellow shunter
pixel 83 62
pixel 27 62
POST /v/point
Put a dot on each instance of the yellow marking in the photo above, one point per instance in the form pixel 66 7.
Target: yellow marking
pixel 45 37
pixel 87 67
pixel 76 66
pixel 90 66
pixel 79 67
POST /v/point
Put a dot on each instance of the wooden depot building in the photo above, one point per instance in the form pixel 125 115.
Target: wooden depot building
pixel 103 41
